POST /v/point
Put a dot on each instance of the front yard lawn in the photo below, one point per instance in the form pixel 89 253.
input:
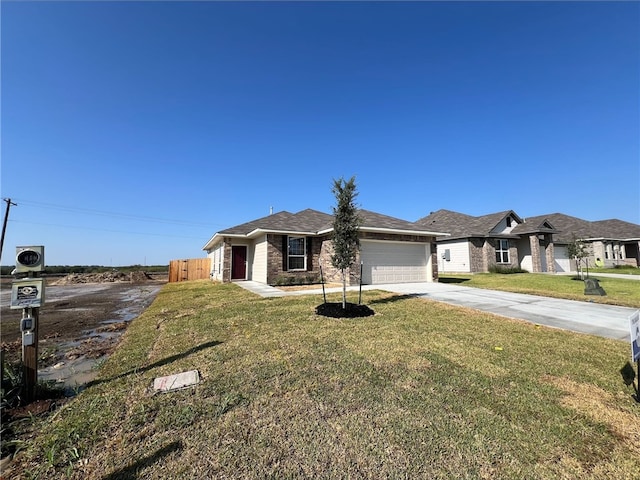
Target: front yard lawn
pixel 420 390
pixel 619 291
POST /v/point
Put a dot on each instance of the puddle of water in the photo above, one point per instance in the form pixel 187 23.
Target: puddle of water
pixel 73 374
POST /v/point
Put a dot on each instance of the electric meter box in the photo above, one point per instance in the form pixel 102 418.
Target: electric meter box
pixel 27 293
pixel 26 324
pixel 29 259
pixel 28 338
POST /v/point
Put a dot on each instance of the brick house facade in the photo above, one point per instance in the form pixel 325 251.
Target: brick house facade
pixel 268 249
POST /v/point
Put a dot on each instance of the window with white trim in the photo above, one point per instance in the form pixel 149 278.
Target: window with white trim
pixel 297 253
pixel 502 251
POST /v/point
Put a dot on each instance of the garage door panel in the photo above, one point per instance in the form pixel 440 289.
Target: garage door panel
pixel 562 261
pixel 388 262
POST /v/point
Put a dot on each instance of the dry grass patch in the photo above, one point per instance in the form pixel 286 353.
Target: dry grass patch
pixel 602 407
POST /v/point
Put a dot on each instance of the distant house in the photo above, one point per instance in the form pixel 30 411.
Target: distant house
pixel 536 244
pixel 286 247
pixel 502 239
pixel 610 242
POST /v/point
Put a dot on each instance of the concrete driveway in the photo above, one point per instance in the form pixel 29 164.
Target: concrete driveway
pixel 584 317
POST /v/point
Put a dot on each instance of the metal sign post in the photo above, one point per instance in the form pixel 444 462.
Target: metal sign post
pixel 634 326
pixel 30 352
pixel 628 375
pixel 28 294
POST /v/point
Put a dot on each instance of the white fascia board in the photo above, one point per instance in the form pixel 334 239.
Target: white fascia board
pixel 261 231
pixel 394 231
pixel 211 242
pixel 609 239
pixel 213 239
pixel 404 232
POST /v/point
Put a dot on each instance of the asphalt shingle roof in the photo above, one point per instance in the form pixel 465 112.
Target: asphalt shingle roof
pixel 271 221
pixel 567 227
pixel 310 220
pixel 563 227
pixel 377 220
pixel 461 225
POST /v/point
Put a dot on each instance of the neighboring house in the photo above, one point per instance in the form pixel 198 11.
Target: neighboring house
pixel 503 239
pixel 536 244
pixel 609 242
pixel 285 247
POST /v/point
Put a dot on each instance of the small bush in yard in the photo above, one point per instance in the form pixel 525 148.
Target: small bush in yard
pixel 506 270
pixel 624 267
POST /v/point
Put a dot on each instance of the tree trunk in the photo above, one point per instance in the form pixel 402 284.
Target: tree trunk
pixel 344 290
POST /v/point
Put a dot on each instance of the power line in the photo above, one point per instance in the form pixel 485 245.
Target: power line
pixel 103 213
pixel 105 230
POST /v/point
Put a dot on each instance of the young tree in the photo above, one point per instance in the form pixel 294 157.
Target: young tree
pixel 345 230
pixel 578 251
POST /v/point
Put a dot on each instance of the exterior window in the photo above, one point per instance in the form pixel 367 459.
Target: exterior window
pixel 502 251
pixel 508 221
pixel 297 257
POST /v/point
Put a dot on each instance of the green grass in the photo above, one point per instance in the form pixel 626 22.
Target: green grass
pixel 619 291
pixel 420 390
pixel 625 270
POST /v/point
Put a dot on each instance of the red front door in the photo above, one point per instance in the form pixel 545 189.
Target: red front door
pixel 238 262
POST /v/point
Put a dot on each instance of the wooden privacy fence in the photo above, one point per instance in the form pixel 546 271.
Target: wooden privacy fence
pixel 190 269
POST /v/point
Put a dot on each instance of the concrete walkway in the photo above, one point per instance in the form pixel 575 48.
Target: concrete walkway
pixel 607 321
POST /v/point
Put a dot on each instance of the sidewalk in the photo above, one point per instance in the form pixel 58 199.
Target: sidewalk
pixel 607 321
pixel 594 273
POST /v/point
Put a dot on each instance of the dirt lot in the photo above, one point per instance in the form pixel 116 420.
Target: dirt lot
pixel 81 321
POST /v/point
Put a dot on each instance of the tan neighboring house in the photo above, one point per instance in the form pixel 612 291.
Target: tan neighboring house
pixel 290 247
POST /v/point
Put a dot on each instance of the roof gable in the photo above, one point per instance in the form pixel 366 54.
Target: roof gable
pixel 449 221
pixel 461 225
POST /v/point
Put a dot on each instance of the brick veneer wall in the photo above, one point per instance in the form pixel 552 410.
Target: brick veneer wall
pixel 434 261
pixel 534 243
pixel 226 262
pixel 331 273
pixel 275 256
pixel 550 253
pixel 476 255
pixel 489 252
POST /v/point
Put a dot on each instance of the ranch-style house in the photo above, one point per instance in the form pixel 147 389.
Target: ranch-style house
pixel 296 247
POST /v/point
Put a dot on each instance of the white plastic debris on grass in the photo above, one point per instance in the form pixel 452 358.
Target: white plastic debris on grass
pixel 176 382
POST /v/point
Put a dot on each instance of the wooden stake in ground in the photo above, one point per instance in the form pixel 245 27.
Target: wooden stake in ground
pixel 30 355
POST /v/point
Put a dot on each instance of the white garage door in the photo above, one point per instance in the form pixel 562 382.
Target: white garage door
pixel 562 261
pixel 391 262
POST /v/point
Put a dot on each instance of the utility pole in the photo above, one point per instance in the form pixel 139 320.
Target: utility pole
pixel 4 224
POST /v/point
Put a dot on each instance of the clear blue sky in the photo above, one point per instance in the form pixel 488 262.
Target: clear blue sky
pixel 132 132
